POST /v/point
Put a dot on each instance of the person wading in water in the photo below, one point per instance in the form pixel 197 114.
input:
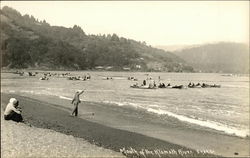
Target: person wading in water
pixel 76 100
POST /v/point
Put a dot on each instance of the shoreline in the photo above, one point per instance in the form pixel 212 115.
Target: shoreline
pixel 218 129
pixel 45 115
pixel 133 121
pixel 147 72
pixel 22 140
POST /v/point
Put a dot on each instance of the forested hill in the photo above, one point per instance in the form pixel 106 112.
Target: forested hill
pixel 224 57
pixel 27 42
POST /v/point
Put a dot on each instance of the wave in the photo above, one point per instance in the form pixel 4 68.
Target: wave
pixel 123 104
pixel 62 97
pixel 193 120
pixel 42 92
pixel 204 123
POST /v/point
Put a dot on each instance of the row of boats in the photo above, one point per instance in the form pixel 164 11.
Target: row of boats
pixel 203 85
pixel 48 75
pixel 81 78
pixel 151 85
pixel 169 86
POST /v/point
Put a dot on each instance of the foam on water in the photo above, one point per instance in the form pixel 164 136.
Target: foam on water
pixel 42 92
pixel 62 97
pixel 124 104
pixel 193 120
pixel 204 123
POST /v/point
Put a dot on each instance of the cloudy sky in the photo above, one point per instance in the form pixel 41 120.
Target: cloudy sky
pixel 157 23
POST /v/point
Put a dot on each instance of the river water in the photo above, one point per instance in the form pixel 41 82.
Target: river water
pixel 225 109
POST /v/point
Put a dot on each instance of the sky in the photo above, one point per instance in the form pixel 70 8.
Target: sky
pixel 155 22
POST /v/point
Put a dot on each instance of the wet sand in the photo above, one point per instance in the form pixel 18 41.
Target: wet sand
pixel 117 129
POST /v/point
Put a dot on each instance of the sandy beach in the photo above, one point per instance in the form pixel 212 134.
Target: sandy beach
pixel 21 140
pixel 51 116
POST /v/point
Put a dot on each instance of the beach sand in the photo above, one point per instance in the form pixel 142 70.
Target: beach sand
pixel 21 140
pixel 124 131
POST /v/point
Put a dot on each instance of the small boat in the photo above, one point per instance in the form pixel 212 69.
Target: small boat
pixel 107 78
pixel 215 86
pixel 132 79
pixel 142 87
pixel 44 78
pixel 162 87
pixel 191 86
pixel 178 86
pixel 74 78
pixel 204 86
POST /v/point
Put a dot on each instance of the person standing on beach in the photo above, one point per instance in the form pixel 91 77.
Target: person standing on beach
pixel 76 100
pixel 12 111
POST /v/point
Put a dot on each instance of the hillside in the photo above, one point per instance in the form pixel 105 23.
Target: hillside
pixel 27 42
pixel 173 48
pixel 224 57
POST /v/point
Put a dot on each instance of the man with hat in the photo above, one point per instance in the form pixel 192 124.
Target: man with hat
pixel 76 100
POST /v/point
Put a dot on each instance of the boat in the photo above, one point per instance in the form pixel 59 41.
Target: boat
pixel 194 86
pixel 178 86
pixel 142 87
pixel 204 86
pixel 74 78
pixel 215 86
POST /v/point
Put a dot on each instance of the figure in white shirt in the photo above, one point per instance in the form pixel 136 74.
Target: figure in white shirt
pixel 12 111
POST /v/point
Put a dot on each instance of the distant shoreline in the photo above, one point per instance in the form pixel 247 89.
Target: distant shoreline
pixel 3 70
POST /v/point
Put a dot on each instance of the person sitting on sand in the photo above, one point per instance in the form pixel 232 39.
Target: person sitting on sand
pixel 12 111
pixel 75 102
